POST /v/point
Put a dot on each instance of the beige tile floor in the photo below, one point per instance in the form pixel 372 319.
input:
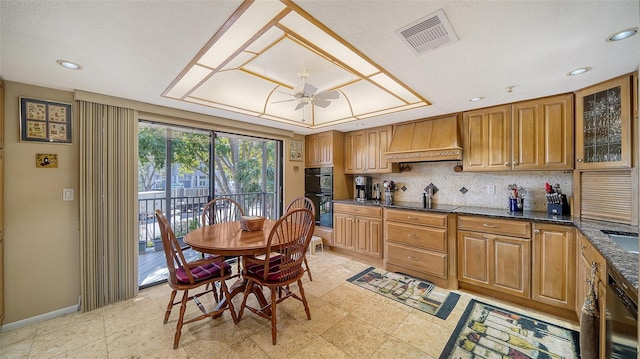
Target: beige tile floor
pixel 347 322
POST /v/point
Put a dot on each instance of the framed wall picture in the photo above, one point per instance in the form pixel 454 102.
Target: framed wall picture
pixel 45 121
pixel 295 150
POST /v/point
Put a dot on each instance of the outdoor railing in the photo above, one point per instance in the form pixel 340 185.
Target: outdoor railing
pixel 184 214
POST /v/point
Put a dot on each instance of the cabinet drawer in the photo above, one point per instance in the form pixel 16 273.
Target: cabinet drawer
pixel 425 237
pixel 506 227
pixel 591 255
pixel 420 218
pixel 419 260
pixel 370 211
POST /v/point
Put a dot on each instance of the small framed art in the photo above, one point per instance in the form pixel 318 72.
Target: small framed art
pixel 45 121
pixel 295 150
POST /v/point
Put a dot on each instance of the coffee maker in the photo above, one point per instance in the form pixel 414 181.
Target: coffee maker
pixel 363 188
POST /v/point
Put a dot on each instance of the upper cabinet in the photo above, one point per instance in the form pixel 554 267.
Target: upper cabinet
pixel 364 151
pixel 322 148
pixel 524 136
pixel 543 134
pixel 487 139
pixel 603 118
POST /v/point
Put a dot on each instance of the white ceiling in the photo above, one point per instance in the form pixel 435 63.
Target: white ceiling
pixel 136 49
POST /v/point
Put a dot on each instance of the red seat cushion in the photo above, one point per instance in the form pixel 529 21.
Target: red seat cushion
pixel 202 272
pixel 257 270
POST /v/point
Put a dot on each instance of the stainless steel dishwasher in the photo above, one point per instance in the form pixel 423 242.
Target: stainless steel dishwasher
pixel 622 317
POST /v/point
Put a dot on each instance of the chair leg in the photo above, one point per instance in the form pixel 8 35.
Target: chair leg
pixel 304 300
pixel 167 313
pixel 274 329
pixel 183 308
pixel 306 265
pixel 225 291
pixel 247 290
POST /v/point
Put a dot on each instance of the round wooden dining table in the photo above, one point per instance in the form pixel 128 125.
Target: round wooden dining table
pixel 229 240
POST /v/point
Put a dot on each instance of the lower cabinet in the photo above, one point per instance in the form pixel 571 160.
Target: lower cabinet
pixel 491 259
pixel 358 228
pixel 554 265
pixel 417 244
pixel 589 259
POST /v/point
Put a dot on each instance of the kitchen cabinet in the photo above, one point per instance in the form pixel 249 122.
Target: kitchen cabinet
pixel 588 256
pixel 603 121
pixel 322 149
pixel 364 151
pixel 523 136
pixel 417 244
pixel 495 254
pixel 635 94
pixel 554 265
pixel 358 228
pixel 487 139
pixel 543 134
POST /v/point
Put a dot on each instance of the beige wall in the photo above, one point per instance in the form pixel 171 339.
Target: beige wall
pixel 41 249
pixel 41 258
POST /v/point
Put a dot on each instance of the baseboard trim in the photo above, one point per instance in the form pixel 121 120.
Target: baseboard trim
pixel 39 318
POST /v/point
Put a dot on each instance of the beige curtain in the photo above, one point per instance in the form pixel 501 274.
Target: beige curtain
pixel 108 210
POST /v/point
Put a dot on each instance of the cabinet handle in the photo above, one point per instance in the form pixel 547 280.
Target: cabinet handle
pixel 579 160
pixel 536 231
pixel 409 217
pixel 582 246
pixel 515 163
pixel 488 236
pixel 506 164
pixel 489 225
pixel 413 235
pixel 412 258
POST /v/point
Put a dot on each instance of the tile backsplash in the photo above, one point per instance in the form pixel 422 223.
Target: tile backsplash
pixel 472 188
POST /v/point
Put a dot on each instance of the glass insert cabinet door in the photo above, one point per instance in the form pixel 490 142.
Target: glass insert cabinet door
pixel 603 117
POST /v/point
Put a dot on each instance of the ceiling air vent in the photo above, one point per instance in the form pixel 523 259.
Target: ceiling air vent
pixel 428 33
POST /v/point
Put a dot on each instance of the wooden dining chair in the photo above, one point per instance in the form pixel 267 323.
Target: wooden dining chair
pixel 185 276
pixel 220 210
pixel 306 203
pixel 281 266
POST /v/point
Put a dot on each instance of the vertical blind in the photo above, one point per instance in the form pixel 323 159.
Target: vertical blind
pixel 108 197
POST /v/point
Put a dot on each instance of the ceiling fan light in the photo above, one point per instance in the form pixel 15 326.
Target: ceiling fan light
pixel 624 34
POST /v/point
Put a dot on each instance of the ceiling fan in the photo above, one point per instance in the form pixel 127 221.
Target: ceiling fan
pixel 306 93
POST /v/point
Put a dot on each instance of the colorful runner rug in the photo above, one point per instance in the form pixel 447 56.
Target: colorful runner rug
pixel 416 293
pixel 485 331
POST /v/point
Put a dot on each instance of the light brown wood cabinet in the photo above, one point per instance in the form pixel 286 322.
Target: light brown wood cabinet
pixel 635 94
pixel 554 265
pixel 524 136
pixel 322 148
pixel 543 134
pixel 495 254
pixel 417 244
pixel 358 228
pixel 364 151
pixel 603 125
pixel 588 256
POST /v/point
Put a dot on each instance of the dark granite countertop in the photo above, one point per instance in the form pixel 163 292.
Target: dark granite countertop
pixel 624 262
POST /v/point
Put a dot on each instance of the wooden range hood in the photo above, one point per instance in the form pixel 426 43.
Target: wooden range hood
pixel 426 140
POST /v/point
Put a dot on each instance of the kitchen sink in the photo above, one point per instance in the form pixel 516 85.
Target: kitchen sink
pixel 628 241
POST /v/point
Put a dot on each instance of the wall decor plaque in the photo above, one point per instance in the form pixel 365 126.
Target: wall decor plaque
pixel 46 160
pixel 45 121
pixel 295 150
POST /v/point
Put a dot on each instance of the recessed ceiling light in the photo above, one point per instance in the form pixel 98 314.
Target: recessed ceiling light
pixel 69 65
pixel 474 99
pixel 624 34
pixel 359 124
pixel 579 71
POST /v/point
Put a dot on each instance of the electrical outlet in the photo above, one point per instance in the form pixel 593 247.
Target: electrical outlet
pixel 491 189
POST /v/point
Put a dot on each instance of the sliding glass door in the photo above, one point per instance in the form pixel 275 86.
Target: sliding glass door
pixel 181 169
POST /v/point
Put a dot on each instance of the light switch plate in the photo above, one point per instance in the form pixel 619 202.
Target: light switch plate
pixel 491 189
pixel 67 194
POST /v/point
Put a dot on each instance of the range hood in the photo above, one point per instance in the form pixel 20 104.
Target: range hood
pixel 426 140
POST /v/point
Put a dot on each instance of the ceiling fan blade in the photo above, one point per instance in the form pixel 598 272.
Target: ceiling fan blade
pixel 293 99
pixel 309 89
pixel 286 93
pixel 321 102
pixel 300 105
pixel 328 95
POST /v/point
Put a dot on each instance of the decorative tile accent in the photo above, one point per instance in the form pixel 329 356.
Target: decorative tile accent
pixel 463 190
pixel 433 187
pixel 403 188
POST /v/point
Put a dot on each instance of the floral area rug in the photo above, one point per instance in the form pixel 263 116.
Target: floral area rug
pixel 416 293
pixel 485 331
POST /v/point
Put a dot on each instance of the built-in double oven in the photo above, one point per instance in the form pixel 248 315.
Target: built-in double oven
pixel 318 186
